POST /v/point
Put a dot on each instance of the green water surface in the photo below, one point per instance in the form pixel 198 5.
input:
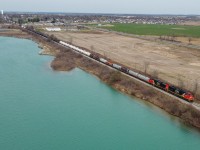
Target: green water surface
pixel 41 109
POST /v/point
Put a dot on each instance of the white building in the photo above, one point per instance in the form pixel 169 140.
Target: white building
pixel 53 29
pixel 2 12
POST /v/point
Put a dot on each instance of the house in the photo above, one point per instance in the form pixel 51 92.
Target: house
pixel 53 29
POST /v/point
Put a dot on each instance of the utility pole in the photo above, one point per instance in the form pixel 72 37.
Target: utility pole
pixel 1 17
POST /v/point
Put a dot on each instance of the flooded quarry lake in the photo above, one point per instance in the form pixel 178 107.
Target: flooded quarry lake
pixel 41 109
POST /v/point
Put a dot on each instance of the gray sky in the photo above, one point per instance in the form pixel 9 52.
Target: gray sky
pixel 105 6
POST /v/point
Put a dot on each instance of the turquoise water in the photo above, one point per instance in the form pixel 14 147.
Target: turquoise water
pixel 41 109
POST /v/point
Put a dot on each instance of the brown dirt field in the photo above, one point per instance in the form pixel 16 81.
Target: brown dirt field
pixel 170 63
pixel 14 33
pixel 194 41
pixel 191 23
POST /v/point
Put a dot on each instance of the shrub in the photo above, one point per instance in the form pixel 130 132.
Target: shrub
pixel 114 77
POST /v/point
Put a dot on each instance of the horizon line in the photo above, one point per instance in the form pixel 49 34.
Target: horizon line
pixel 53 12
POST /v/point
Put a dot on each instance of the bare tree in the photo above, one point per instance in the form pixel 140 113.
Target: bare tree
pixel 146 66
pixel 155 74
pixel 189 40
pixel 164 37
pixel 92 47
pixel 135 65
pixel 173 38
pixel 71 39
pixel 169 38
pixel 180 83
pixel 104 54
pixel 195 87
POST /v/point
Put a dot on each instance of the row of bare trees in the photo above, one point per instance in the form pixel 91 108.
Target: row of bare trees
pixel 168 38
pixel 172 38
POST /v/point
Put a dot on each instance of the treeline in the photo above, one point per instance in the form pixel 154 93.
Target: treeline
pixel 23 21
pixel 49 37
pixel 168 38
pixel 172 38
pixel 34 19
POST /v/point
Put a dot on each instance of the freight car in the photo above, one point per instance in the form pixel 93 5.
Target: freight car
pixel 94 57
pixel 120 68
pixel 53 38
pixel 103 60
pixel 124 69
pixel 75 48
pixel 161 84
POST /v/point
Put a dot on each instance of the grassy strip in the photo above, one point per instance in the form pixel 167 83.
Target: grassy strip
pixel 158 30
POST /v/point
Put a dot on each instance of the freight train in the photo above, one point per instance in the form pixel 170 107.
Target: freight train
pixel 183 94
pixel 155 82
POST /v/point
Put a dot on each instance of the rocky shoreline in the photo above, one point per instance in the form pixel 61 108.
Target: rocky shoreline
pixel 66 60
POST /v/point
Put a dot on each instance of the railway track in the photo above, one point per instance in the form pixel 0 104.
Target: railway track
pixel 194 104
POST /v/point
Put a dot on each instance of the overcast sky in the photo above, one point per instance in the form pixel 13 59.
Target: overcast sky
pixel 104 6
